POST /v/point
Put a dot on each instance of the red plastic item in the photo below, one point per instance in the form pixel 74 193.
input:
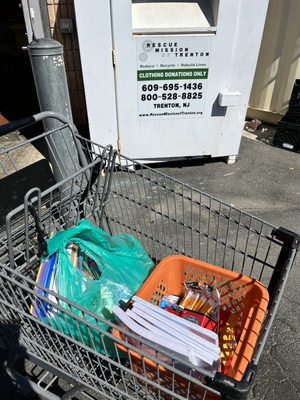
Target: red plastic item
pixel 200 319
pixel 171 310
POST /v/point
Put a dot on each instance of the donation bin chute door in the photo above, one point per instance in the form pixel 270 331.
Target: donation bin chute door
pixel 162 60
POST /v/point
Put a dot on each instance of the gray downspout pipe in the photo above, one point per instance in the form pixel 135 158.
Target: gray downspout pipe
pixel 47 61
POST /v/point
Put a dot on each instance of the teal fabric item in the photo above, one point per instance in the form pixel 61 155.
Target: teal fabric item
pixel 124 265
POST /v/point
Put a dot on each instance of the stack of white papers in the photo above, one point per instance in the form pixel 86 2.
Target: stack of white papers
pixel 191 342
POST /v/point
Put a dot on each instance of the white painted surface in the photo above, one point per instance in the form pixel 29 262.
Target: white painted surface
pixel 229 99
pixel 95 41
pixel 170 17
pixel 33 20
pixel 232 61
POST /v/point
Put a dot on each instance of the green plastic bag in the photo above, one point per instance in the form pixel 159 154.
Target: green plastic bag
pixel 124 265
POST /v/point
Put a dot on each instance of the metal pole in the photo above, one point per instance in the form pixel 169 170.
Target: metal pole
pixel 45 18
pixel 47 61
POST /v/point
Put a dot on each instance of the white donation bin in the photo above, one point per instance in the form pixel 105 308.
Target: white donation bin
pixel 169 79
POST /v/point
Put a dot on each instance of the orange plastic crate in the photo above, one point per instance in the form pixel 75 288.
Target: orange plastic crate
pixel 243 296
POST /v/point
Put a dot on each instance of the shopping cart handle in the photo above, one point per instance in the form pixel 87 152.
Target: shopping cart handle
pixel 15 125
pixel 288 238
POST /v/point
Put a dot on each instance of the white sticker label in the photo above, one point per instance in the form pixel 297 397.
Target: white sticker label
pixel 172 76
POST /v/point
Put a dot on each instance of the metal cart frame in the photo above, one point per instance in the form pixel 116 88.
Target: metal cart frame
pixel 167 217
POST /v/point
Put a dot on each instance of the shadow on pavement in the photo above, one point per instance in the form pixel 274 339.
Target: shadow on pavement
pixel 10 389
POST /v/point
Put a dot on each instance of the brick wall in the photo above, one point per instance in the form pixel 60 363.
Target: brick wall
pixel 65 9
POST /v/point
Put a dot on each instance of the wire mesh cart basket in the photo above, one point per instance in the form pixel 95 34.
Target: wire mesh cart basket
pixel 169 218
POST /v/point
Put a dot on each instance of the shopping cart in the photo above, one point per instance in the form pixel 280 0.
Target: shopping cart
pixel 168 217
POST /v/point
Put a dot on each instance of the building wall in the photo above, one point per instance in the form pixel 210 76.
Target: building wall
pixel 58 9
pixel 278 63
